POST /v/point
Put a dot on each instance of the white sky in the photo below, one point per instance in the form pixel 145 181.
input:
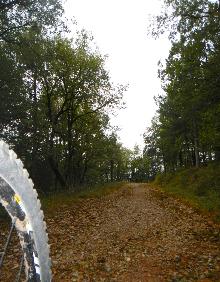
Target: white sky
pixel 120 31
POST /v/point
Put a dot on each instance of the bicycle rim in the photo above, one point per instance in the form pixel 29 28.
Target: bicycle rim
pixel 21 203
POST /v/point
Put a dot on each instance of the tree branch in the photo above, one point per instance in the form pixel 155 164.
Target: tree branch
pixel 2 33
pixel 10 4
pixel 204 15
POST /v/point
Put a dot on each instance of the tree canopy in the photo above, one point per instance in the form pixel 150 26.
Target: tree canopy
pixel 56 98
pixel 18 16
pixel 185 131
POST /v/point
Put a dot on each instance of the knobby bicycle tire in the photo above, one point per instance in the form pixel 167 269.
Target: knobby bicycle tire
pixel 22 204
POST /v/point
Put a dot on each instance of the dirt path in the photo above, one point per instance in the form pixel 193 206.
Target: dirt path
pixel 135 234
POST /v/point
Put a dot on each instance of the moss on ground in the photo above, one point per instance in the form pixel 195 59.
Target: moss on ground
pixel 198 186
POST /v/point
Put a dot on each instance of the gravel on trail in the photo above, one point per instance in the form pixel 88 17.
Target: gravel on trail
pixel 137 233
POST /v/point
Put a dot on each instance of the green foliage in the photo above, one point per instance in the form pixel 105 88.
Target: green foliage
pixel 185 132
pixel 199 186
pixel 18 16
pixel 138 166
pixel 56 97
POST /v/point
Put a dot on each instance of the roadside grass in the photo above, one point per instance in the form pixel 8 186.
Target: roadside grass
pixel 55 200
pixel 199 187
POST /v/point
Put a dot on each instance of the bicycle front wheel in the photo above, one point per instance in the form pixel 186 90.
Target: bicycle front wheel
pixel 21 202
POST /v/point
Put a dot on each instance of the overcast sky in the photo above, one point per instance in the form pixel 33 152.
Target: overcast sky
pixel 119 28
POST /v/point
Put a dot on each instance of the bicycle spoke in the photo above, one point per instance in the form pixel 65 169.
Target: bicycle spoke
pixel 20 269
pixel 21 204
pixel 7 242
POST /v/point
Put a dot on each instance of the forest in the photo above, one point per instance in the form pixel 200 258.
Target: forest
pixel 57 97
pixel 185 132
pixel 111 213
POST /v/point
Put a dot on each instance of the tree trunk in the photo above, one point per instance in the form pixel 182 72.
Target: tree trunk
pixel 55 169
pixel 204 158
pixel 217 153
pixel 112 170
pixel 196 144
pixel 118 172
pixel 53 163
pixel 106 175
pixel 70 151
pixel 180 158
pixel 82 179
pixel 196 152
pixel 35 109
pixel 35 138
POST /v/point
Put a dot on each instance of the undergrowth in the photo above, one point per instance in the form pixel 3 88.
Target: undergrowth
pixel 54 200
pixel 199 186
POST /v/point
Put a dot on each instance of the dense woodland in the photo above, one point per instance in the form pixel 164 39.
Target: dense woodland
pixel 185 132
pixel 57 97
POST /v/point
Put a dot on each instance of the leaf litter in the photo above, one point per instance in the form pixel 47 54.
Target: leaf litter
pixel 133 234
